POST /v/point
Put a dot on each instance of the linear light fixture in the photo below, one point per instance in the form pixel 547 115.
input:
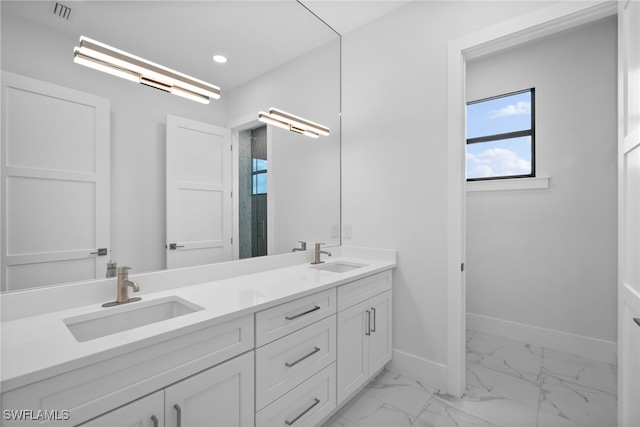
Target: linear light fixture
pixel 293 123
pixel 105 58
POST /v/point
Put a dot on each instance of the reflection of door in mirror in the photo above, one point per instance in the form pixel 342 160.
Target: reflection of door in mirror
pixel 199 202
pixel 55 184
pixel 253 173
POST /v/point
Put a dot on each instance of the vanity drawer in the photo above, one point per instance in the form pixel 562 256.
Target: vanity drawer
pixel 286 318
pixel 106 384
pixel 287 362
pixel 362 289
pixel 306 405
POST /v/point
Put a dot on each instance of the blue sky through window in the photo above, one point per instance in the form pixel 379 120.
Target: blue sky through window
pixel 259 176
pixel 504 157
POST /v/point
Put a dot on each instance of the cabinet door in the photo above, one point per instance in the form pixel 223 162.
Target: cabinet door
pixel 353 354
pixel 380 338
pixel 220 396
pixel 145 412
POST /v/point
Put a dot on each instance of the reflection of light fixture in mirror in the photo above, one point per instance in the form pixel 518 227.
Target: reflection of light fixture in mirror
pixel 293 123
pixel 122 64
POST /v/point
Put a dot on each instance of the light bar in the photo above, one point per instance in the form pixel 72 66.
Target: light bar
pixel 105 58
pixel 293 123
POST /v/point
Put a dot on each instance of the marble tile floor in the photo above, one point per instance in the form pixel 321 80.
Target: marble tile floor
pixel 509 384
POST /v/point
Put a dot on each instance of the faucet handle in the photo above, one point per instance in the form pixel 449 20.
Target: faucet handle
pixel 123 271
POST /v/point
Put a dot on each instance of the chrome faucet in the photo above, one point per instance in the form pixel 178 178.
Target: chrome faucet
pixel 316 258
pixel 303 246
pixel 123 288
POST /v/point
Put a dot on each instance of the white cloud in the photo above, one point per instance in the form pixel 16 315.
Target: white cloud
pixel 496 162
pixel 519 108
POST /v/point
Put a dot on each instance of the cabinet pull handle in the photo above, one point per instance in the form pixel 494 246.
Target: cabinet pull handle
pixel 315 402
pixel 374 320
pixel 316 308
pixel 154 419
pixel 179 415
pixel 314 351
pixel 637 320
pixel 368 331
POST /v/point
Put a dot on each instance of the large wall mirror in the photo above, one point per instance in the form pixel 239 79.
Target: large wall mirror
pixel 285 186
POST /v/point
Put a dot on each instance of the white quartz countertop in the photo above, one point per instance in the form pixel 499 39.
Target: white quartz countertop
pixel 38 347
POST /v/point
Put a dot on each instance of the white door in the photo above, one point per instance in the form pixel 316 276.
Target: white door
pixel 55 184
pixel 220 396
pixel 145 412
pixel 198 193
pixel 629 218
pixel 380 338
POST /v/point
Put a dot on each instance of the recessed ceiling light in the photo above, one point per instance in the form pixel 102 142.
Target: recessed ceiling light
pixel 220 59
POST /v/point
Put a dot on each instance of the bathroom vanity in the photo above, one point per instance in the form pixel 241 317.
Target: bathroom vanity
pixel 287 346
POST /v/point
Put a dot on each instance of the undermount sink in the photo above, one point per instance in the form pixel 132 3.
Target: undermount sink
pixel 338 266
pixel 128 316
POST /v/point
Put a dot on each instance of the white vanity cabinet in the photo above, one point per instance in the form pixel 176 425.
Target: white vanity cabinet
pixel 295 361
pixel 98 388
pixel 364 332
pixel 292 360
pixel 220 396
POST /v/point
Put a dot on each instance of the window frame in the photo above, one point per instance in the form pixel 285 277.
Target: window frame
pixel 509 135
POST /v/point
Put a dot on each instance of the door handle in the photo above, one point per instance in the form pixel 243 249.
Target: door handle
pixel 99 252
pixel 178 415
pixel 315 402
pixel 314 351
pixel 373 310
pixel 174 246
pixel 315 308
pixel 368 331
pixel 637 320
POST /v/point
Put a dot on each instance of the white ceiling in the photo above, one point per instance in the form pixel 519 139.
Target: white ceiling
pixel 256 36
pixel 347 15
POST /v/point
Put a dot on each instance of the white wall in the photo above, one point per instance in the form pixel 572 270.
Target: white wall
pixel 138 118
pixel 548 258
pixel 394 159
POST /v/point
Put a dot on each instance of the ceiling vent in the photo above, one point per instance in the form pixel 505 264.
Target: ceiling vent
pixel 60 10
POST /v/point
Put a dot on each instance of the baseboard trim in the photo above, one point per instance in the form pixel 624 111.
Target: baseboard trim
pixel 593 348
pixel 419 369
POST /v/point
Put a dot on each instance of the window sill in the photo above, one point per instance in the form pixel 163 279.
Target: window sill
pixel 509 184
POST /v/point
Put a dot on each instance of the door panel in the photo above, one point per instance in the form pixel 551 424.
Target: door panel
pixel 629 214
pixel 380 338
pixel 55 184
pixel 220 396
pixel 198 193
pixel 353 352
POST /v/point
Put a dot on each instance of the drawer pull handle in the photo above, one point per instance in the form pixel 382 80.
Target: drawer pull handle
pixel 179 415
pixel 315 402
pixel 154 419
pixel 374 320
pixel 316 308
pixel 290 364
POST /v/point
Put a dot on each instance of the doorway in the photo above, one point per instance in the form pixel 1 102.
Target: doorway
pixel 253 192
pixel 550 20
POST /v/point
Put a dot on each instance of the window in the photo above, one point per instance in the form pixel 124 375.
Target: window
pixel 501 137
pixel 258 176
